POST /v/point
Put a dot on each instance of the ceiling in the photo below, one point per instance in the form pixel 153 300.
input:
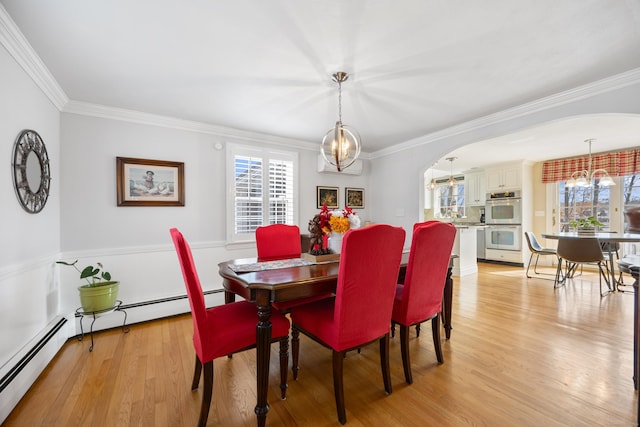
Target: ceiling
pixel 416 66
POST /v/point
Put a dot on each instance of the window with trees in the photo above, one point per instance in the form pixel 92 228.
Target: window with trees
pixel 583 202
pixel 449 199
pixel 264 186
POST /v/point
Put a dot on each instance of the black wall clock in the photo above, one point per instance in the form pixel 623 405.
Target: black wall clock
pixel 31 175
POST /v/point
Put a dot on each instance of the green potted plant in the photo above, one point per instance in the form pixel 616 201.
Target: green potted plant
pixel 100 293
pixel 586 225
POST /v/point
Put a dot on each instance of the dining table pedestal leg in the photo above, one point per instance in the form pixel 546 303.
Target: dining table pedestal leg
pixel 263 353
pixel 447 302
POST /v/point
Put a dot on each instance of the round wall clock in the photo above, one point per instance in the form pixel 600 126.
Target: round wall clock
pixel 31 176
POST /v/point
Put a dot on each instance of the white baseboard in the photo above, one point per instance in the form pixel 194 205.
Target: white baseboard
pixel 22 370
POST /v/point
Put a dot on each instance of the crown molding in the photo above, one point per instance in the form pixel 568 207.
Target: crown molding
pixel 102 111
pixel 614 82
pixel 19 48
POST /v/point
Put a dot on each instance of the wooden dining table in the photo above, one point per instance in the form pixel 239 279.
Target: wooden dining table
pixel 286 283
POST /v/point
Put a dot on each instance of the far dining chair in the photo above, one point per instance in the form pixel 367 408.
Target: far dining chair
pixel 278 241
pixel 282 241
pixel 361 311
pixel 223 330
pixel 537 249
pixel 419 298
pixel 579 251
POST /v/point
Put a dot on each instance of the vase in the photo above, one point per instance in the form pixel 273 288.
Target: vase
pixel 335 242
pixel 99 297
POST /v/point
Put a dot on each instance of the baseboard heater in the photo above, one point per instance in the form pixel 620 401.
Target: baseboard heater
pixel 165 300
pixel 24 361
pixel 144 311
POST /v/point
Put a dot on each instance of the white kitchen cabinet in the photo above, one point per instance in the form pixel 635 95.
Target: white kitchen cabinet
pixel 475 188
pixel 504 178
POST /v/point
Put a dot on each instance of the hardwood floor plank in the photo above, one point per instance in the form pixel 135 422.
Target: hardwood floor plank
pixel 521 353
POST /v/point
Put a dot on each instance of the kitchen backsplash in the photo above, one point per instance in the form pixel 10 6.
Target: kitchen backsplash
pixel 473 214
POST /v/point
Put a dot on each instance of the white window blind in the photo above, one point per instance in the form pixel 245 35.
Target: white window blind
pixel 263 190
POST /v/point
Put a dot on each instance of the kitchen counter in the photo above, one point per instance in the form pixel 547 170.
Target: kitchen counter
pixel 469 224
pixel 465 246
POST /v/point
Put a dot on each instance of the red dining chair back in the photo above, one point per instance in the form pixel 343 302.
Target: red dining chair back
pixel 278 241
pixel 360 313
pixel 281 241
pixel 419 298
pixel 224 329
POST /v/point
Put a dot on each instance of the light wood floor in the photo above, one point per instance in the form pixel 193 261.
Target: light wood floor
pixel 521 353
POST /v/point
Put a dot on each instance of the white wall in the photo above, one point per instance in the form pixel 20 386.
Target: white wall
pixel 133 242
pixel 28 297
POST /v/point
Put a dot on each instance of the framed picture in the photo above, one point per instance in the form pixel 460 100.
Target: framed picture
pixel 142 182
pixel 354 197
pixel 327 196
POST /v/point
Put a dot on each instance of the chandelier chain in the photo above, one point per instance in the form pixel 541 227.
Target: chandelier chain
pixel 340 101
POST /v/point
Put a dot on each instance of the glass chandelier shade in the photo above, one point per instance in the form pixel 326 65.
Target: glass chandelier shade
pixel 585 178
pixel 341 145
pixel 452 180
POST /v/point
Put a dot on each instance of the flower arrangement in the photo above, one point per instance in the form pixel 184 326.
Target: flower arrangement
pixel 338 221
pixel 327 223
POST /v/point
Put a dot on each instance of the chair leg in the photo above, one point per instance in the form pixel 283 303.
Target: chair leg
pixel 435 326
pixel 529 265
pixel 535 266
pixel 393 329
pixel 418 330
pixel 338 384
pixel 295 350
pixel 196 374
pixel 207 393
pixel 384 362
pixel 556 283
pixel 404 350
pixel 284 366
pixel 606 278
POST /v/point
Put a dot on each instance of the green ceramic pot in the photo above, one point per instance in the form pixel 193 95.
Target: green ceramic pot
pixel 100 297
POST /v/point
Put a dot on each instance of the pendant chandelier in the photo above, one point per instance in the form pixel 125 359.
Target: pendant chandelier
pixel 452 180
pixel 585 178
pixel 341 144
pixel 432 183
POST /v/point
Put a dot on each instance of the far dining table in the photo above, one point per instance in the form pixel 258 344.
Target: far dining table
pixel 603 237
pixel 249 279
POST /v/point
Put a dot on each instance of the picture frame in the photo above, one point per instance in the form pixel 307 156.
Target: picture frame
pixel 354 197
pixel 328 196
pixel 145 182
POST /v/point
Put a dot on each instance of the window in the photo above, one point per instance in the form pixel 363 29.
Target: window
pixel 583 202
pixel 263 189
pixel 601 202
pixel 449 199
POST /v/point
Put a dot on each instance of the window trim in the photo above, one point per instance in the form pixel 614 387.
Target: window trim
pixel 235 149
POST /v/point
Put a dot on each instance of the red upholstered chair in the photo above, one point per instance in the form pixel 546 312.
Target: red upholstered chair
pixel 281 241
pixel 223 330
pixel 420 297
pixel 278 241
pixel 360 313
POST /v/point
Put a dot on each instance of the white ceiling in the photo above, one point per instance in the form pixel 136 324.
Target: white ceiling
pixel 265 66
